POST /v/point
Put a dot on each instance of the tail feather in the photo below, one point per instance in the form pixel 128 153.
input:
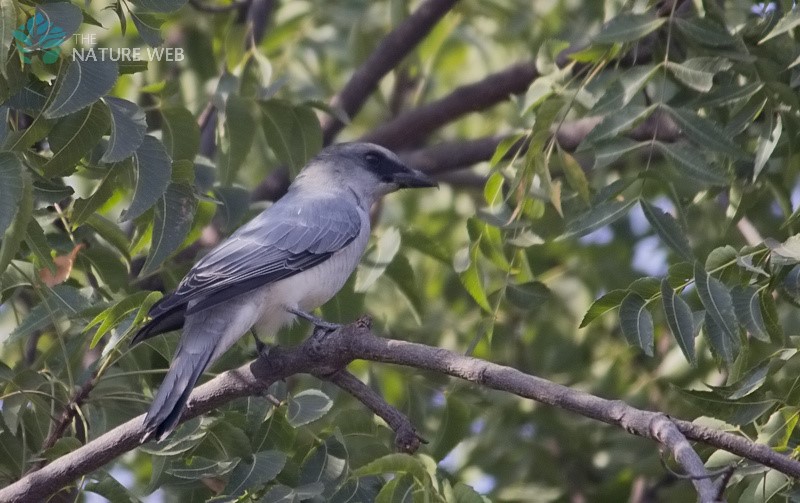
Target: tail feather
pixel 170 400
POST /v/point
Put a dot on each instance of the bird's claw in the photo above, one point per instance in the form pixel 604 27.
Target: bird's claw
pixel 318 323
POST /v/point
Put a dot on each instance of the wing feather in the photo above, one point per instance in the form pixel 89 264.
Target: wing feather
pixel 291 236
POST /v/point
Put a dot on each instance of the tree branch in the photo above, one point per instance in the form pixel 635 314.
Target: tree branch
pixel 389 53
pixel 406 437
pixel 667 433
pixel 333 352
pixel 409 128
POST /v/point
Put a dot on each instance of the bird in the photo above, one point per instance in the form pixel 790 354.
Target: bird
pixel 287 261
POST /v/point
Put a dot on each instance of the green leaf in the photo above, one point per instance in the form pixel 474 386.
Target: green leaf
pixel 19 226
pixel 647 287
pixel 493 190
pixel 718 302
pixel 704 31
pixel 617 122
pixel 465 264
pixel 292 132
pixel 395 463
pixel 284 494
pixel 770 315
pixel 503 148
pixel 327 464
pixel 235 203
pixel 149 27
pixel 596 217
pixel 240 128
pixel 704 132
pixel 680 320
pixel 788 22
pixel 83 83
pixel 307 406
pixel 620 94
pixel 694 78
pixel 111 233
pixel 266 465
pixel 778 431
pixel 748 311
pixel 402 489
pixel 153 173
pixel 628 28
pixel 668 229
pixel 159 5
pixel 11 184
pixel 181 134
pixel 375 262
pixel 8 21
pixel 602 305
pixel 61 301
pixel 691 162
pixel 466 494
pixel 128 126
pixel 767 143
pixel 174 213
pixel 402 274
pixel 575 175
pixel 201 467
pixel 110 489
pixel 636 323
pixel 607 152
pixel 83 208
pixel 112 316
pixel 73 137
pixel 452 429
pixel 698 73
pixel 528 295
pixel 37 242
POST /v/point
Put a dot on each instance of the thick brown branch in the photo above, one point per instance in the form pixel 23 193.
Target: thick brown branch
pixel 389 53
pixel 414 126
pixel 325 356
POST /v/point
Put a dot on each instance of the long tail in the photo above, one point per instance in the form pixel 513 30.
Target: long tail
pixel 169 402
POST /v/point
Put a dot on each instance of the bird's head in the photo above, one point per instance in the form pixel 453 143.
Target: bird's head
pixel 368 170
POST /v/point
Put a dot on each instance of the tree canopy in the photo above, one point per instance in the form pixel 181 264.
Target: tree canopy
pixel 613 242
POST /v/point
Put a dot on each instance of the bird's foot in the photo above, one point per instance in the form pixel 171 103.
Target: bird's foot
pixel 319 323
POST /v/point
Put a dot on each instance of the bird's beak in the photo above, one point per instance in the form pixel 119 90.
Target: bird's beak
pixel 413 179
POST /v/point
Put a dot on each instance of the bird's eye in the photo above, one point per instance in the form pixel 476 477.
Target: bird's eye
pixel 372 158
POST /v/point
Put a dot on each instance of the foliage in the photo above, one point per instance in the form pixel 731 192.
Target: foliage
pixel 669 226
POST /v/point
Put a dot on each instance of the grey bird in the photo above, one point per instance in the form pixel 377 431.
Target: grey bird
pixel 288 260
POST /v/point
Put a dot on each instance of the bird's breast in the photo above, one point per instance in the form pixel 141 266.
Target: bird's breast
pixel 310 289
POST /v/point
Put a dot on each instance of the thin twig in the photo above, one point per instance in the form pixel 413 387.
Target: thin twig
pixel 406 437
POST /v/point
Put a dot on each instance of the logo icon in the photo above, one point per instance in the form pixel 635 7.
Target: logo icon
pixel 39 34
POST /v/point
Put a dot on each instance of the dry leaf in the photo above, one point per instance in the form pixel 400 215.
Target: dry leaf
pixel 63 267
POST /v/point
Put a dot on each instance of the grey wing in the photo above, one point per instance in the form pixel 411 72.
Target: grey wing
pixel 290 237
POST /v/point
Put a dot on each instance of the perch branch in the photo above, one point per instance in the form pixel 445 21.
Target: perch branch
pixel 325 356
